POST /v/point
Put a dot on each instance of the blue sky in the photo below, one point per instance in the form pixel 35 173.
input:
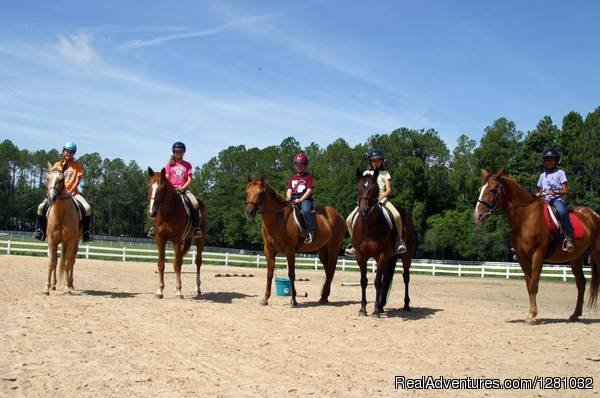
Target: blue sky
pixel 127 78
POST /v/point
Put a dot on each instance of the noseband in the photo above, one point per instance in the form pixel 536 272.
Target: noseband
pixel 259 203
pixel 54 188
pixel 491 206
pixel 372 203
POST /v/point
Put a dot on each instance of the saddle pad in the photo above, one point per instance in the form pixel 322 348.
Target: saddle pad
pixel 386 215
pixel 553 227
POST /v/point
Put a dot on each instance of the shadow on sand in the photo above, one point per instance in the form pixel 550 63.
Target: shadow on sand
pixel 102 293
pixel 552 321
pixel 222 297
pixel 416 313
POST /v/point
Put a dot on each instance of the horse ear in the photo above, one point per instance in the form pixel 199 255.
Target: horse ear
pixel 49 165
pixel 358 174
pixel 485 174
pixel 163 172
pixel 262 179
pixel 501 171
pixel 250 179
pixel 150 171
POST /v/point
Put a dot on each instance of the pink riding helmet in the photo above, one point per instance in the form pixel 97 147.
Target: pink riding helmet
pixel 301 158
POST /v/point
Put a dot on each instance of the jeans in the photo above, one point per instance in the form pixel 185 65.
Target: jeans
pixel 563 212
pixel 307 211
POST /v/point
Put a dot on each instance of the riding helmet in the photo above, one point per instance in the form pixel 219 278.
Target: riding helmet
pixel 70 146
pixel 178 146
pixel 375 154
pixel 301 158
pixel 551 153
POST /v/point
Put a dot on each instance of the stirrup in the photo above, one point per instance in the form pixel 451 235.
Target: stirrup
pixel 566 247
pixel 198 233
pixel 87 236
pixel 151 233
pixel 350 251
pixel 309 237
pixel 39 235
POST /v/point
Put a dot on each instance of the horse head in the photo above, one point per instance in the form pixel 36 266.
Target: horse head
pixel 368 192
pixel 158 187
pixel 55 183
pixel 491 195
pixel 255 192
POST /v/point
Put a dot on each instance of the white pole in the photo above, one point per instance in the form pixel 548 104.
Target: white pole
pixel 564 274
pixel 507 271
pixel 194 256
pixel 124 254
pixel 483 270
pixel 8 247
pixel 87 251
pixel 373 263
pixel 316 263
pixel 343 264
pixel 257 261
pixel 433 269
pixel 459 269
pixel 226 258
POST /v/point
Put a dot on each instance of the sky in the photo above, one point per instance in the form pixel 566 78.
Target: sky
pixel 128 78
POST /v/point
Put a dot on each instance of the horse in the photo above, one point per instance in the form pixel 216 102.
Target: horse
pixel 372 237
pixel 171 223
pixel 63 227
pixel 281 235
pixel 532 240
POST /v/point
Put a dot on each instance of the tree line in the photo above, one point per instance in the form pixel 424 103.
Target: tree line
pixel 436 186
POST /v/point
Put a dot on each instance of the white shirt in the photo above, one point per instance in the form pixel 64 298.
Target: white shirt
pixel 383 176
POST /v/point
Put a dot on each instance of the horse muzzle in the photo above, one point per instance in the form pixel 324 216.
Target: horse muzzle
pixel 250 212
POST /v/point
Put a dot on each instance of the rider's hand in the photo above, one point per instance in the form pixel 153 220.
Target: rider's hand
pixel 288 198
pixel 297 201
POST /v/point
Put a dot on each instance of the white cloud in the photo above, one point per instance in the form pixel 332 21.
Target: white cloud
pixel 77 49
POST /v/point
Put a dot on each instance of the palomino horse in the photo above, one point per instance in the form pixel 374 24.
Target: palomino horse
pixel 63 227
pixel 281 235
pixel 531 238
pixel 372 237
pixel 171 223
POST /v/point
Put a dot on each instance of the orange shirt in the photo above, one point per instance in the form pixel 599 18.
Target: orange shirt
pixel 72 172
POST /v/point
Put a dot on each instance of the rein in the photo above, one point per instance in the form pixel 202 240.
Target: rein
pixel 258 205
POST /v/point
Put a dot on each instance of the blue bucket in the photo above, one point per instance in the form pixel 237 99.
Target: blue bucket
pixel 283 286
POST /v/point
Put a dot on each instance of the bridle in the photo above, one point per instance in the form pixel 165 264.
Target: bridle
pixel 372 203
pixel 258 204
pixel 54 188
pixel 498 194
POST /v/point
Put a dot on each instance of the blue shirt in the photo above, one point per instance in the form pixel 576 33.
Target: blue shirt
pixel 552 181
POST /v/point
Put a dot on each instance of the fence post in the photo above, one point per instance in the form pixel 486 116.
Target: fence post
pixel 343 264
pixel 459 270
pixel 257 260
pixel 8 247
pixel 432 269
pixel 124 254
pixel 373 265
pixel 226 258
pixel 194 256
pixel 564 274
pixel 316 263
pixel 483 270
pixel 87 251
pixel 507 271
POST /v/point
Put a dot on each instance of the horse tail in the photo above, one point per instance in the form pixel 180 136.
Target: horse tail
pixel 595 265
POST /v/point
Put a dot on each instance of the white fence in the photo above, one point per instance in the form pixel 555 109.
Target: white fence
pixel 422 266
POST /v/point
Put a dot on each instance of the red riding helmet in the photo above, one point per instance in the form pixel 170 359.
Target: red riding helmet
pixel 301 158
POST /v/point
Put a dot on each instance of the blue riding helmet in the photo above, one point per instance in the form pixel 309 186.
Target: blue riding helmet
pixel 375 154
pixel 70 146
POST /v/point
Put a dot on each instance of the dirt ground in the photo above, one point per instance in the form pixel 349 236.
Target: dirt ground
pixel 113 338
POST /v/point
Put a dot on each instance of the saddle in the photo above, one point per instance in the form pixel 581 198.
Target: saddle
pixel 555 227
pixel 78 205
pixel 299 219
pixel 386 214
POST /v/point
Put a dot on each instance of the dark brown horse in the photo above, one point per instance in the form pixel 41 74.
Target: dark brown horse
pixel 281 235
pixel 171 223
pixel 531 238
pixel 372 237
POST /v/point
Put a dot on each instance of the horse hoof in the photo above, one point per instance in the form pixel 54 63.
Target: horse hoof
pixel 294 305
pixel 407 308
pixel 324 301
pixel 362 313
pixel 264 302
pixel 179 296
pixel 574 318
pixel 53 287
pixel 532 321
pixel 375 315
pixel 67 293
pixel 158 296
pixel 45 293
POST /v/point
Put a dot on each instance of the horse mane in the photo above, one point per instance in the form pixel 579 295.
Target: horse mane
pixel 517 188
pixel 278 198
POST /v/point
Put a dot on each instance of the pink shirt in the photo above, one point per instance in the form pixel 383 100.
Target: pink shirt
pixel 178 174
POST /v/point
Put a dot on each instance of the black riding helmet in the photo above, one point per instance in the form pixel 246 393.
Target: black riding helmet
pixel 375 154
pixel 178 146
pixel 551 153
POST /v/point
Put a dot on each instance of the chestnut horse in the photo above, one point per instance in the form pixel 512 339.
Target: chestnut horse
pixel 63 227
pixel 281 235
pixel 373 237
pixel 171 223
pixel 531 238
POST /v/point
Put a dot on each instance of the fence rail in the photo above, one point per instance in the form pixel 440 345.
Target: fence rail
pixel 422 266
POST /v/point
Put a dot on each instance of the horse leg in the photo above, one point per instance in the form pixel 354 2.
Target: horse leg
pixel 536 270
pixel 177 263
pixel 377 310
pixel 577 269
pixel 363 287
pixel 324 257
pixel 199 248
pixel 291 260
pixel 71 264
pixel 270 255
pixel 406 277
pixel 64 268
pixel 52 250
pixel 161 269
pixel 388 277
